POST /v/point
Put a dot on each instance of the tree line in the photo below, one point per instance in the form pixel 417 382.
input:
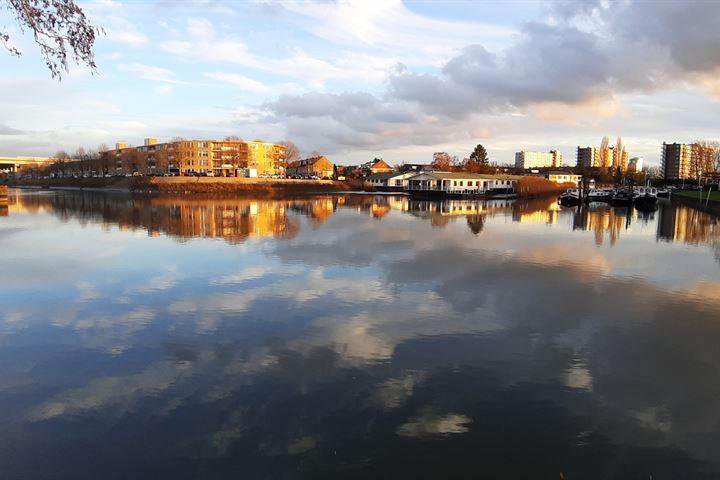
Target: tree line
pixel 476 162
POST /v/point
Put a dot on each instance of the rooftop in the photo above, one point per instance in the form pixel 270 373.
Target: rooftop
pixel 468 176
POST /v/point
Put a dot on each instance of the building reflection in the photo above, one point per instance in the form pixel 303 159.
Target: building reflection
pixel 603 220
pixel 678 223
pixel 442 213
pixel 543 211
pixel 236 219
pixel 317 209
pixel 231 219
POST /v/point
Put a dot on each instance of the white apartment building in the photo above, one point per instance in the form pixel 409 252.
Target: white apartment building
pixel 527 160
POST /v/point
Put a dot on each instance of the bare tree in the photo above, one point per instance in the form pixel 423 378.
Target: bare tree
pixel 292 152
pixel 107 162
pixel 442 161
pixel 703 159
pixel 233 138
pixel 132 160
pixel 653 172
pixel 80 158
pixel 315 154
pixel 60 163
pixel 59 28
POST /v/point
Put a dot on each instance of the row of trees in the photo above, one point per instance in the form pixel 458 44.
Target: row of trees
pixel 476 162
pixel 705 158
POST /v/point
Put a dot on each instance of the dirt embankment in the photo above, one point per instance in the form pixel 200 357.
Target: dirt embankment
pixel 247 186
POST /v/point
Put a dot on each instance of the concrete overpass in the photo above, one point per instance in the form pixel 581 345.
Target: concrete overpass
pixel 13 164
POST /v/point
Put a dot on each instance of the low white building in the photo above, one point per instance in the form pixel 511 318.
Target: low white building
pixel 563 177
pixel 390 181
pixel 461 183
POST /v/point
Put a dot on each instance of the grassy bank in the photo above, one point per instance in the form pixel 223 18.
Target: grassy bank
pixel 696 194
pixel 245 186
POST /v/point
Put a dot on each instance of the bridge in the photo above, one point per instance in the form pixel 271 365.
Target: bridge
pixel 13 164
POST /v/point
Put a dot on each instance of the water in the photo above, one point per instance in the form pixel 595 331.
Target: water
pixel 356 337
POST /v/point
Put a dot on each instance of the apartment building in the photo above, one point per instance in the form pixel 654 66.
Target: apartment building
pixel 588 157
pixel 528 160
pixel 676 160
pixel 202 157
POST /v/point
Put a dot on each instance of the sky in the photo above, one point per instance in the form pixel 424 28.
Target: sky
pixel 359 79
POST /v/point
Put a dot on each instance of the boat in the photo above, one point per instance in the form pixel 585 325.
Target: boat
pixel 600 194
pixel 663 192
pixel 570 198
pixel 645 198
pixel 622 198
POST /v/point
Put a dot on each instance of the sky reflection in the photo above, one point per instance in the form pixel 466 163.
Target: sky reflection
pixel 356 336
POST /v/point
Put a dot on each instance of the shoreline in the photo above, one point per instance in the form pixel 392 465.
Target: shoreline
pixel 712 206
pixel 188 185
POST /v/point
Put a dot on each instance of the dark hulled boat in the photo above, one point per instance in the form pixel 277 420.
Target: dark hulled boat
pixel 570 198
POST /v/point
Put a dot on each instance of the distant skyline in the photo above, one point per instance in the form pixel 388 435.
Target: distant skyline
pixel 359 79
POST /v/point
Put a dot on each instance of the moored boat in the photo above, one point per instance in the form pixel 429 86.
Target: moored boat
pixel 600 194
pixel 645 198
pixel 570 198
pixel 622 198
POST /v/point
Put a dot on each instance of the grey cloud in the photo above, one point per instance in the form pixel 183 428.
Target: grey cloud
pixel 593 52
pixel 5 130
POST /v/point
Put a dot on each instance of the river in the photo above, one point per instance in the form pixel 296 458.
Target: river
pixel 356 337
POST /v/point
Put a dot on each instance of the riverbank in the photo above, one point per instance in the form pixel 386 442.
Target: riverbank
pixel 698 195
pixel 183 185
pixel 692 198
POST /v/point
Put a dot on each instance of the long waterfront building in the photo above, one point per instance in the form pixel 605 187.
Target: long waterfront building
pixel 188 157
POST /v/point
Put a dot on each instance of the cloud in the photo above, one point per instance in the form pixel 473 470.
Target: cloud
pixel 431 425
pixel 163 89
pixel 244 275
pixel 5 130
pixel 237 80
pixel 202 40
pixel 569 71
pixel 148 72
pixel 129 36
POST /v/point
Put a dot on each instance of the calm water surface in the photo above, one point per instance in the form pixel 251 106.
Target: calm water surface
pixel 356 337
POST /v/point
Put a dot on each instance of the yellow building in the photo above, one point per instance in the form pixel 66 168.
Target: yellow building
pixel 319 167
pixel 203 157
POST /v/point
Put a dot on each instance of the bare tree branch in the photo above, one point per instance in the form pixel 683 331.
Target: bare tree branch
pixel 59 28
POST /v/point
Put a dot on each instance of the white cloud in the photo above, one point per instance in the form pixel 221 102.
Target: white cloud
pixel 237 80
pixel 163 89
pixel 148 72
pixel 432 425
pixel 244 275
